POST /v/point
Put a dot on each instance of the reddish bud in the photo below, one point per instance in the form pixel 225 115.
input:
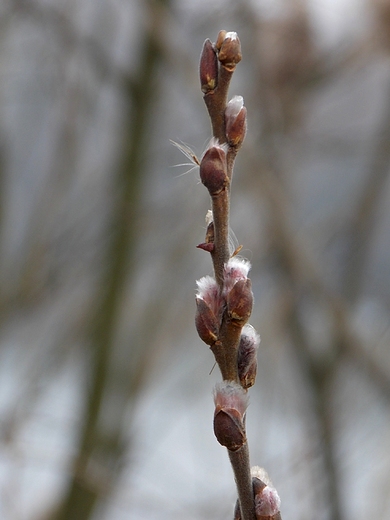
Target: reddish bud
pixel 208 67
pixel 206 323
pixel 247 356
pixel 235 118
pixel 240 302
pixel 213 169
pixel 231 402
pixel 229 429
pixel 206 246
pixel 209 239
pixel 208 309
pixel 230 51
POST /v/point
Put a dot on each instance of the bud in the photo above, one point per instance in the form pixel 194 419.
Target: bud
pixel 229 430
pixel 220 38
pixel 247 356
pixel 208 291
pixel 230 51
pixel 206 323
pixel 231 402
pixel 240 302
pixel 213 168
pixel 230 395
pixel 235 119
pixel 267 501
pixel 237 268
pixel 208 67
pixel 208 244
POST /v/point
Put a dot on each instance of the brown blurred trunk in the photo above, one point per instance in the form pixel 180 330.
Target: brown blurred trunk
pixel 97 462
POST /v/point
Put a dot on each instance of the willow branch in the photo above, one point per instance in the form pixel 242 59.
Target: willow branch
pixel 224 305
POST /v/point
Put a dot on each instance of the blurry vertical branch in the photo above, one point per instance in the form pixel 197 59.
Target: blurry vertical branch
pixel 97 448
pixel 364 220
pixel 224 303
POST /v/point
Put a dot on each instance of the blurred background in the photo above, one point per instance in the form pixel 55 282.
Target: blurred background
pixel 105 389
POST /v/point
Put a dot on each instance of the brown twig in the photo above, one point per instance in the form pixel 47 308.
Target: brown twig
pixel 240 463
pixel 216 101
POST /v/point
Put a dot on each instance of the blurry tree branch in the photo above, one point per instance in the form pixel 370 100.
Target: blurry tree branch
pixel 364 216
pixel 94 445
pixel 60 22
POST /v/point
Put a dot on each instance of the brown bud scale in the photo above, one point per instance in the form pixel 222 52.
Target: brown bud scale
pixel 236 129
pixel 240 302
pixel 228 429
pixel 206 323
pixel 208 67
pixel 248 375
pixel 213 170
pixel 230 52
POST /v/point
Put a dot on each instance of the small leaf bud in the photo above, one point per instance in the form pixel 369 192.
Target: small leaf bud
pixel 206 323
pixel 230 51
pixel 209 239
pixel 247 356
pixel 231 402
pixel 235 118
pixel 213 168
pixel 240 302
pixel 208 67
pixel 206 246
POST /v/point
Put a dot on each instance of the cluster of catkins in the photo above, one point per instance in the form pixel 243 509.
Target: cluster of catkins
pixel 234 303
pixel 225 305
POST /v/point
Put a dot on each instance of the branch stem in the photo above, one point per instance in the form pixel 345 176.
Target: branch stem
pixel 225 348
pixel 220 255
pixel 216 101
pixel 240 463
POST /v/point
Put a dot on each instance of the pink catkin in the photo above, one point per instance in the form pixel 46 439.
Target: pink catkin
pixel 236 269
pixel 208 291
pixel 249 343
pixel 230 395
pixel 267 502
